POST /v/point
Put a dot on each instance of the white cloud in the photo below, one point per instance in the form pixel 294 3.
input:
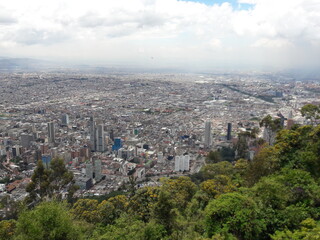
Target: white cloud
pixel 108 30
pixel 272 43
pixel 216 43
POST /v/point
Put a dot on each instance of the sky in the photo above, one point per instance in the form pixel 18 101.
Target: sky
pixel 190 34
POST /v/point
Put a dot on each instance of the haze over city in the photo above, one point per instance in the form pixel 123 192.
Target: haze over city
pixel 196 35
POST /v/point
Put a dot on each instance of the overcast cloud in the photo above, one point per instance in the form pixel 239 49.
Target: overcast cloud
pixel 164 33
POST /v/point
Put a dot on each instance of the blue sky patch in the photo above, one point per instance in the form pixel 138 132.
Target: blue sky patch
pixel 234 3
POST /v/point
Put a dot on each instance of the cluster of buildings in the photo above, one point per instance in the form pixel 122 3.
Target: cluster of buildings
pixel 110 127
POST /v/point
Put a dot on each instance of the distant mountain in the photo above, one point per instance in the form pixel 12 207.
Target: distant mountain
pixel 23 64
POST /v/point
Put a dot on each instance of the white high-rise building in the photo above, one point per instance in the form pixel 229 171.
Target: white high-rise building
pixel 207 134
pixel 177 164
pixel 186 162
pixel 182 163
pixel 51 134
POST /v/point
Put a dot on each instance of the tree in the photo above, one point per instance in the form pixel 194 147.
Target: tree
pixel 288 197
pixel 234 213
pixel 7 229
pixel 271 127
pixel 242 145
pixel 311 112
pixel 127 228
pixel 213 157
pixel 142 203
pixel 264 163
pixel 39 185
pixel 219 185
pixel 86 209
pixel 50 221
pixel 209 171
pixel 309 229
pixel 164 212
pixel 299 148
pixel 50 183
pixel 181 190
pixel 60 178
pixel 227 154
pixel 107 212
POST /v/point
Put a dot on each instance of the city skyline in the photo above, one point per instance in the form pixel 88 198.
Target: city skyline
pixel 195 35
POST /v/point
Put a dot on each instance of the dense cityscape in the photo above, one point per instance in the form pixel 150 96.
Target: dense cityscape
pixel 108 127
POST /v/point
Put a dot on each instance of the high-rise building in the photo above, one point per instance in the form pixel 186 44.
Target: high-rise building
pixel 51 136
pixel 229 131
pixel 182 163
pixel 117 144
pixel 93 134
pixel 65 120
pixel 89 170
pixel 97 170
pixel 207 134
pixel 100 141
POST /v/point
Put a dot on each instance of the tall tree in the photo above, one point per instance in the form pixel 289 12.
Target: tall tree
pixel 50 183
pixel 271 127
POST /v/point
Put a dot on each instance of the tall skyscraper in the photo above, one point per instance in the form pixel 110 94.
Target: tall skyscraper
pixel 65 120
pixel 207 134
pixel 100 138
pixel 93 134
pixel 51 137
pixel 229 131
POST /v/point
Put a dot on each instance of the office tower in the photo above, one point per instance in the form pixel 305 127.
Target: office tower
pixel 207 134
pixel 65 120
pixel 93 133
pixel 100 141
pixel 117 144
pixel 51 137
pixel 97 170
pixel 229 131
pixel 89 170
